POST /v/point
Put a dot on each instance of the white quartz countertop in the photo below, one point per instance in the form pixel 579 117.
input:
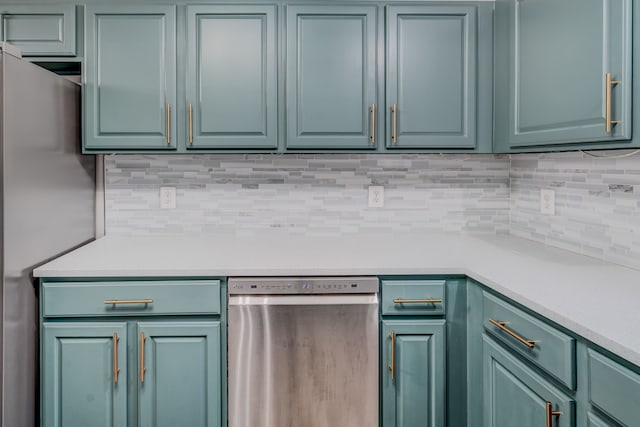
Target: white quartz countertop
pixel 593 298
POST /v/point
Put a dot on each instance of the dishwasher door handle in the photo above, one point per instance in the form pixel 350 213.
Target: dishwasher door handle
pixel 339 299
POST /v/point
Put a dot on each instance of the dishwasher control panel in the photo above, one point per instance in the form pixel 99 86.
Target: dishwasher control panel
pixel 303 285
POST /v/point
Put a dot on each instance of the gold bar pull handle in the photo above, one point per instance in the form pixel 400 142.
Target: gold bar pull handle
pixel 609 123
pixel 116 370
pixel 128 301
pixel 394 130
pixel 142 368
pixel 392 365
pixel 169 124
pixel 417 301
pixel 190 124
pixel 372 110
pixel 502 326
pixel 550 414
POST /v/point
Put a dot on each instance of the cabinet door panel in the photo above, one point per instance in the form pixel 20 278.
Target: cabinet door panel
pixel 415 396
pixel 79 387
pixel 331 76
pixel 431 76
pixel 557 63
pixel 130 87
pixel 40 30
pixel 181 384
pixel 516 396
pixel 231 76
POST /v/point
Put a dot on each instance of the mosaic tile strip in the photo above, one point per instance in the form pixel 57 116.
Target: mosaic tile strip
pixel 306 194
pixel 597 203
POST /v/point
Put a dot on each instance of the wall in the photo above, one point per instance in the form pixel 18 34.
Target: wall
pixel 306 194
pixel 597 203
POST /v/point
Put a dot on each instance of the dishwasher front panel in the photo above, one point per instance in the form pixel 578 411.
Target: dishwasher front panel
pixel 303 360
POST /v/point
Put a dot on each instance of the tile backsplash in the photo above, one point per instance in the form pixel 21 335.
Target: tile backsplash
pixel 597 203
pixel 597 200
pixel 306 194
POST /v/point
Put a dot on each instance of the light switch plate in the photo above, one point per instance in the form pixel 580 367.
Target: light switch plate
pixel 167 197
pixel 547 202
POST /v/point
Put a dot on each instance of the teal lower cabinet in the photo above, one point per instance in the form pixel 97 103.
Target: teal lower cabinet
pixel 594 420
pixel 149 360
pixel 515 395
pixel 413 373
pixel 84 377
pixel 613 389
pixel 179 374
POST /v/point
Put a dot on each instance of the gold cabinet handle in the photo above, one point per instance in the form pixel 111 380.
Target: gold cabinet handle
pixel 417 301
pixel 502 327
pixel 169 124
pixel 550 414
pixel 190 124
pixel 394 132
pixel 128 301
pixel 609 123
pixel 372 110
pixel 142 368
pixel 116 370
pixel 393 354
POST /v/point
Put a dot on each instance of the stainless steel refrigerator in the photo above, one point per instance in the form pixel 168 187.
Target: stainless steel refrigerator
pixel 47 207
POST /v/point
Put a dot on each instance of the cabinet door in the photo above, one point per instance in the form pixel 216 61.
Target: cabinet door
pixel 413 373
pixel 130 79
pixel 552 59
pixel 84 374
pixel 331 76
pixel 179 372
pixel 40 30
pixel 431 76
pixel 231 77
pixel 514 395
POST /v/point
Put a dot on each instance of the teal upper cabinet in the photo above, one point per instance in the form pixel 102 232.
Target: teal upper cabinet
pixel 231 77
pixel 514 395
pixel 432 55
pixel 179 377
pixel 557 64
pixel 331 77
pixel 84 374
pixel 130 77
pixel 413 373
pixel 40 30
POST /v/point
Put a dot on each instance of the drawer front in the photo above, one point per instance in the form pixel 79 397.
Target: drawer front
pixel 413 297
pixel 614 389
pixel 72 299
pixel 40 30
pixel 547 347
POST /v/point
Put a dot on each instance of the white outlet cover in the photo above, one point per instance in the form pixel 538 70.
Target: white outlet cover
pixel 167 197
pixel 547 201
pixel 376 196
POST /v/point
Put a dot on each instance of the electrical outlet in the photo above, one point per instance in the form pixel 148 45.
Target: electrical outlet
pixel 167 197
pixel 547 202
pixel 376 196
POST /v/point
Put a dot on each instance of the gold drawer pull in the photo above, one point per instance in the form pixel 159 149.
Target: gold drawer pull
pixel 128 301
pixel 417 301
pixel 502 327
pixel 394 132
pixel 609 122
pixel 116 369
pixel 169 124
pixel 142 368
pixel 392 335
pixel 190 124
pixel 372 137
pixel 550 414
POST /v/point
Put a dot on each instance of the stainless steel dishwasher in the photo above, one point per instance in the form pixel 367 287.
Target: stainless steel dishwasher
pixel 303 352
